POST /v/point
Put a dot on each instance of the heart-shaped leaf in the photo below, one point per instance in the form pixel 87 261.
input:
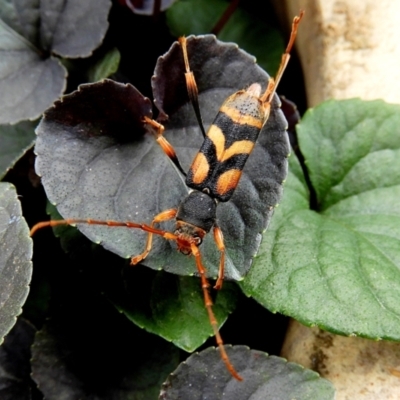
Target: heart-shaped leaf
pixel 21 70
pixel 15 256
pixel 15 141
pixel 30 78
pixel 339 267
pixel 94 166
pixel 203 375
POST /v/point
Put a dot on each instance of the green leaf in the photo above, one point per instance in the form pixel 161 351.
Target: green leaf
pixel 350 148
pixel 105 67
pixel 207 15
pixel 173 307
pixel 15 258
pixel 250 33
pixel 204 375
pixel 339 268
pixel 15 141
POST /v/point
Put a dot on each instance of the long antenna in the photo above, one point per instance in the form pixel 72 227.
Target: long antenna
pixel 271 88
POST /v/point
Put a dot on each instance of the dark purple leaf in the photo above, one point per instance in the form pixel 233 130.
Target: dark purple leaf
pixel 73 28
pixel 28 83
pixel 203 375
pixel 113 177
pixel 30 78
pixel 78 355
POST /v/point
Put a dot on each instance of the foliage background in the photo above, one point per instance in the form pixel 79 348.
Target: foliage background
pixel 66 287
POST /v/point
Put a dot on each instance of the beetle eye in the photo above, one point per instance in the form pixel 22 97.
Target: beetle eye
pixel 198 240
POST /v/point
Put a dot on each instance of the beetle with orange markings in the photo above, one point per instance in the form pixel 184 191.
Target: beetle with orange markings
pixel 212 177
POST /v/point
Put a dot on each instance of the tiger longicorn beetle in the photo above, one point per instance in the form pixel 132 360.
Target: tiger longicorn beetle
pixel 212 177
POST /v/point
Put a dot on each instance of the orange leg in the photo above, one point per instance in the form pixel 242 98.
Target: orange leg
pixel 128 224
pixel 219 240
pixel 208 303
pixel 163 216
pixel 191 85
pixel 158 131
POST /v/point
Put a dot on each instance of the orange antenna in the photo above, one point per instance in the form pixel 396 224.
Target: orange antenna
pixel 274 82
pixel 196 214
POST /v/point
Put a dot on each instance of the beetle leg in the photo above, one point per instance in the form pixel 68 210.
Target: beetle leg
pixel 166 146
pixel 163 216
pixel 213 321
pixel 191 85
pixel 219 240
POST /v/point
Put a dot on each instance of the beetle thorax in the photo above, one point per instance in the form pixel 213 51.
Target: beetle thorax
pixel 195 217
